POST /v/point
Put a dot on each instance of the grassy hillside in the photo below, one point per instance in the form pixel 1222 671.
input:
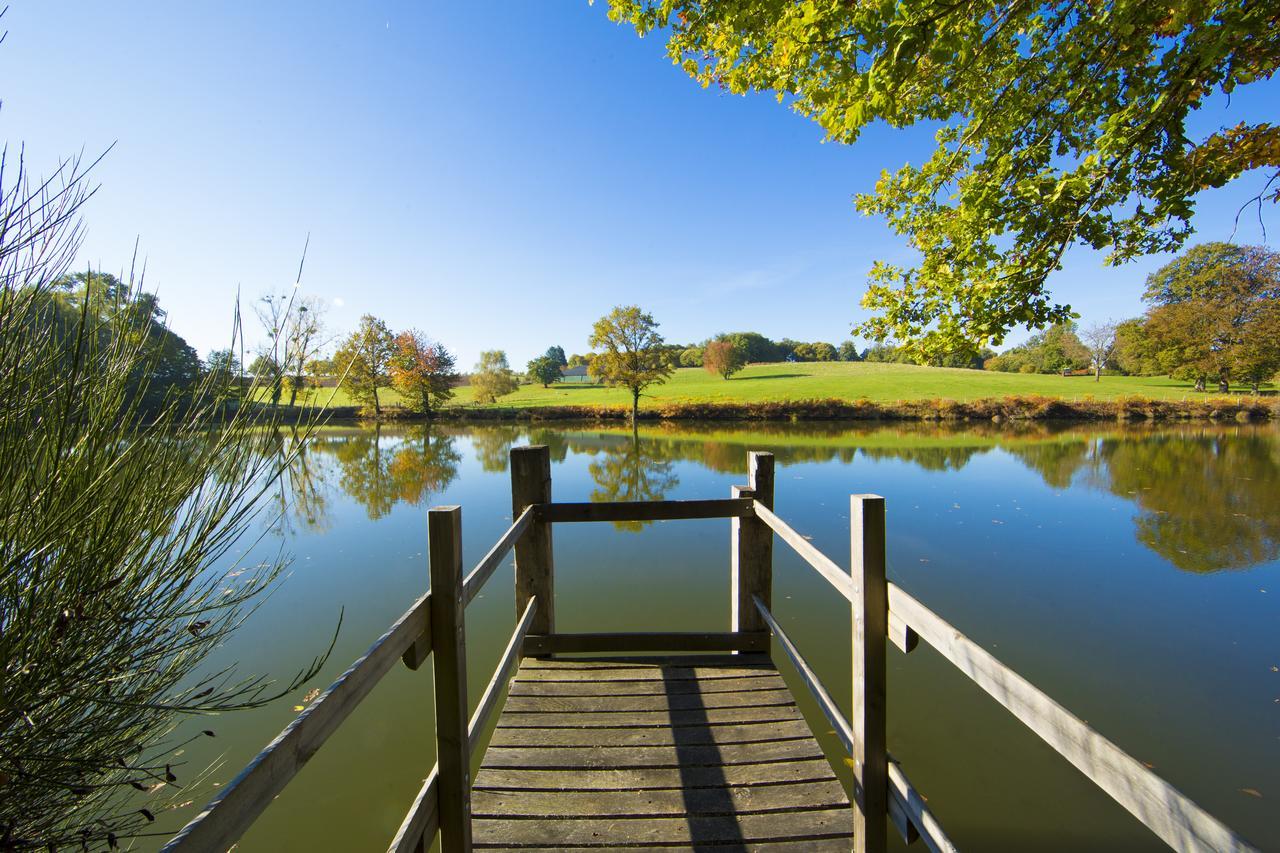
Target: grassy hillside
pixel 848 381
pixel 811 381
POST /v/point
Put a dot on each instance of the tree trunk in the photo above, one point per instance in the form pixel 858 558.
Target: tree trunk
pixel 293 390
pixel 1224 386
pixel 377 409
pixel 1199 383
pixel 1097 373
pixel 635 407
pixel 1255 388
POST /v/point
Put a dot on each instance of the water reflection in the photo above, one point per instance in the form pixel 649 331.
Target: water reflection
pixel 631 470
pixel 1207 502
pixel 1206 496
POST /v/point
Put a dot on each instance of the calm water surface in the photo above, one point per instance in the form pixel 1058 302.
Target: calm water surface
pixel 1133 573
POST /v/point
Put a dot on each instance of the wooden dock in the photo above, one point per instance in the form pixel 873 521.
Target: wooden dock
pixel 671 751
pixel 585 745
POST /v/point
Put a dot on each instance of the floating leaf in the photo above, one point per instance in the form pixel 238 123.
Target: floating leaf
pixel 1253 792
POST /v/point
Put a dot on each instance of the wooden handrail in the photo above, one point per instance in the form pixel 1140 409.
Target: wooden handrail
pixel 510 657
pixel 484 569
pixel 907 810
pixel 561 513
pixel 239 804
pixel 1163 809
pixel 653 641
pixel 422 820
pixel 836 576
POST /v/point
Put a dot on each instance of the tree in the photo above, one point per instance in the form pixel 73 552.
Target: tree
pixel 823 351
pixel 1058 124
pixel 223 368
pixel 630 352
pixel 1214 313
pixel 544 369
pixel 304 337
pixel 1100 338
pixel 272 310
pixel 849 351
pixel 722 358
pixel 756 347
pixel 1133 352
pixel 423 372
pixel 364 361
pixel 492 377
pixel 1052 351
pixel 691 357
pixel 577 360
pixel 556 354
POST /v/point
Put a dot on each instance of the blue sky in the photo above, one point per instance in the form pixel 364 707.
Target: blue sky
pixel 497 175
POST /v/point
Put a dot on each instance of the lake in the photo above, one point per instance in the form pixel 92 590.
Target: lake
pixel 1132 572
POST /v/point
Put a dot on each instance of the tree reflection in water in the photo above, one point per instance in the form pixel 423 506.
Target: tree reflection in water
pixel 1209 502
pixel 631 470
pixel 412 466
pixel 1208 497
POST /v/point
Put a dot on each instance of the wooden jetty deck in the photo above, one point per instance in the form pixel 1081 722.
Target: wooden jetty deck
pixel 656 752
pixel 702 747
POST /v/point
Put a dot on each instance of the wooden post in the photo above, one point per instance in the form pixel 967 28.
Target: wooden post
pixel 448 640
pixel 751 549
pixel 535 575
pixel 870 628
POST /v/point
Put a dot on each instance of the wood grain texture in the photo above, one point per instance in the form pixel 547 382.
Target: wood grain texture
pixel 692 641
pixel 535 564
pixel 656 756
pixel 449 663
pixel 870 610
pixel 562 513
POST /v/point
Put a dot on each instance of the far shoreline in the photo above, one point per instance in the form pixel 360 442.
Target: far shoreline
pixel 995 409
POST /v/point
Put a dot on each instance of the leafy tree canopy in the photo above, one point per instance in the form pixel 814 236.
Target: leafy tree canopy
pixel 1058 124
pixel 631 351
pixel 544 369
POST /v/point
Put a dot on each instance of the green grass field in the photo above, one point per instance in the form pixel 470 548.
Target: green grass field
pixel 810 381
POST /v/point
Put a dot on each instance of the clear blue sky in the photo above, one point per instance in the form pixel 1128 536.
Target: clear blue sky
pixel 497 175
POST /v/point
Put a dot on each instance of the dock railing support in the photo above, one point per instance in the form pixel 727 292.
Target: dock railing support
pixel 535 572
pixel 751 549
pixel 870 629
pixel 449 655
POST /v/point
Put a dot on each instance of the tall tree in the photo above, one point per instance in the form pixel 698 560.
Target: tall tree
pixel 1215 312
pixel 272 310
pixel 722 358
pixel 1100 338
pixel 364 361
pixel 630 352
pixel 304 337
pixel 1059 123
pixel 544 369
pixel 423 372
pixel 492 377
pixel 556 354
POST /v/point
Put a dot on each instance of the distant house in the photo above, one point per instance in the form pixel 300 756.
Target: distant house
pixel 575 374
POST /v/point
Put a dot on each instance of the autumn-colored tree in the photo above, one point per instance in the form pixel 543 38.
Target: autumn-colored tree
pixel 422 371
pixel 722 358
pixel 1058 123
pixel 1215 314
pixel 364 361
pixel 630 352
pixel 493 377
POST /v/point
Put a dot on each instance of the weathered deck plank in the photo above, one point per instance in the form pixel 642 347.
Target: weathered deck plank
pixel 653 753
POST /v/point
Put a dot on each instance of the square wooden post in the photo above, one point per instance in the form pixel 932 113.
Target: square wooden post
pixel 751 549
pixel 535 572
pixel 870 629
pixel 449 654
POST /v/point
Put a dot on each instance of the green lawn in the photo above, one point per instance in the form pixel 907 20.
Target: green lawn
pixel 810 381
pixel 849 381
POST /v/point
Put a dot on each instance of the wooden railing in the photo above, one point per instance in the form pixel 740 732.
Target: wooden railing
pixel 434 626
